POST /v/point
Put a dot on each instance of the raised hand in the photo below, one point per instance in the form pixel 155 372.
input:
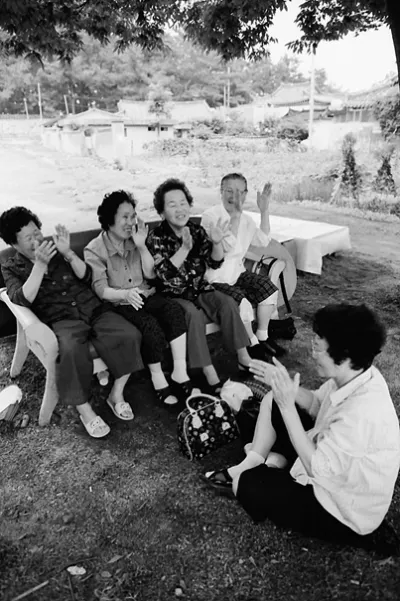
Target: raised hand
pixel 139 233
pixel 187 240
pixel 218 231
pixel 44 252
pixel 284 388
pixel 262 371
pixel 61 239
pixel 264 197
pixel 134 298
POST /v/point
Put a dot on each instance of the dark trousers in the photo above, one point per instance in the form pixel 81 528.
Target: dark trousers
pixel 221 309
pixel 272 493
pixel 160 320
pixel 116 341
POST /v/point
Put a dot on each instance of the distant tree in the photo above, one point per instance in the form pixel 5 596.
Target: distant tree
pixel 387 112
pixel 232 28
pixel 160 98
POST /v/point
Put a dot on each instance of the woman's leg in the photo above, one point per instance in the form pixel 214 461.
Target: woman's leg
pixel 171 317
pixel 74 372
pixel 153 345
pixel 223 310
pixel 197 346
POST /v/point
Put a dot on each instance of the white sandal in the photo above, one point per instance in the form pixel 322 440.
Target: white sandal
pixel 97 428
pixel 122 410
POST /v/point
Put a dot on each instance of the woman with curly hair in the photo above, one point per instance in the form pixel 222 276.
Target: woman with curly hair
pixel 121 267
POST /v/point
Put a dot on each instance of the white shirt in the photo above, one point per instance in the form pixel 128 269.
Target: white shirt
pixel 357 459
pixel 235 247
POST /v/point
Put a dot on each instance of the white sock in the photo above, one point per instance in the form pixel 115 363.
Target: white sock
pixel 262 335
pixel 179 373
pixel 158 379
pixel 253 459
pixel 253 340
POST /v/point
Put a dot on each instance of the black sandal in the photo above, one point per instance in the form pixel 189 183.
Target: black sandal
pixel 163 394
pixel 183 389
pixel 214 389
pixel 221 481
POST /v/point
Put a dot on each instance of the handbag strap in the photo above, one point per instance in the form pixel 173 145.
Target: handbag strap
pixel 258 266
pixel 200 396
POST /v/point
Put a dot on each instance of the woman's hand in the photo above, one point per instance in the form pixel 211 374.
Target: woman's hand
pixel 284 388
pixel 264 197
pixel 44 252
pixel 134 298
pixel 218 231
pixel 187 240
pixel 139 233
pixel 262 371
pixel 61 239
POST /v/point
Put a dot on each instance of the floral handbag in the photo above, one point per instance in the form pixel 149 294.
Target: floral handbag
pixel 206 424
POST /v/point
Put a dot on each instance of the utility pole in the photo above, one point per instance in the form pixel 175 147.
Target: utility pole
pixel 40 102
pixel 228 90
pixel 26 108
pixel 312 94
pixel 66 104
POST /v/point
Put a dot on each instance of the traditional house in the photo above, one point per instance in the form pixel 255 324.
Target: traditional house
pixel 359 106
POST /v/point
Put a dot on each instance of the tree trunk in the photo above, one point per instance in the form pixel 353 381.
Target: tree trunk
pixel 393 11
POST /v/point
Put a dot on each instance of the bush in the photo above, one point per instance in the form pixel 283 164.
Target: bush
pixel 292 132
pixel 171 147
pixel 387 112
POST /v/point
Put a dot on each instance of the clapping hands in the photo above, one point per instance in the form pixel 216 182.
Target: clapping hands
pixel 61 239
pixel 218 231
pixel 139 233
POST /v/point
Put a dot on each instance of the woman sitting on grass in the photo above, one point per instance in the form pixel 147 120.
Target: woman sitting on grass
pixel 121 266
pixel 338 447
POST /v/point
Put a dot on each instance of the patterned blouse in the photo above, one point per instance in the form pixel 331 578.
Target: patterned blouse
pixel 188 280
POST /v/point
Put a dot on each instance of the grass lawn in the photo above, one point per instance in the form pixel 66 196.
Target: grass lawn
pixel 135 514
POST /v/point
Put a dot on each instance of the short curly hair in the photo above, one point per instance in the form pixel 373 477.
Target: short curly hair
pixel 108 209
pixel 352 332
pixel 169 184
pixel 12 222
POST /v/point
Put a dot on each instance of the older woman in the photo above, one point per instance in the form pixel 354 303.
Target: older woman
pixel 121 266
pixel 336 450
pixel 182 252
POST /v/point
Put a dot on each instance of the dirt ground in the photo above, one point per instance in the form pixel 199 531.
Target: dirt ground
pixel 68 189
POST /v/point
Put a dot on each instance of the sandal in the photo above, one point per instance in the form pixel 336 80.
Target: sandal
pixel 97 428
pixel 220 481
pixel 214 389
pixel 164 395
pixel 122 409
pixel 185 389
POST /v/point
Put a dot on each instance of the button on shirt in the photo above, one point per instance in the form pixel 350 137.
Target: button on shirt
pixel 113 268
pixel 356 462
pixel 61 295
pixel 186 281
pixel 235 247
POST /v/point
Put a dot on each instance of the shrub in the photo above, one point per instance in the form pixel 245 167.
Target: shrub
pixel 171 147
pixel 350 177
pixel 384 181
pixel 387 112
pixel 292 132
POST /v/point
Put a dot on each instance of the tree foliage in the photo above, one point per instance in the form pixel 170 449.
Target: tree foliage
pixel 99 75
pixel 233 28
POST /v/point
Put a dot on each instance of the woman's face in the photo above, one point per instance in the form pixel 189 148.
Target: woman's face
pixel 28 238
pixel 325 365
pixel 176 209
pixel 125 219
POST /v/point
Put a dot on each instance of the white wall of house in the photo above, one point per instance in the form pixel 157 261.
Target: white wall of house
pixel 139 135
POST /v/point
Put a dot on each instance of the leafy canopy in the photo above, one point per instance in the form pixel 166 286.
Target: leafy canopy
pixel 233 28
